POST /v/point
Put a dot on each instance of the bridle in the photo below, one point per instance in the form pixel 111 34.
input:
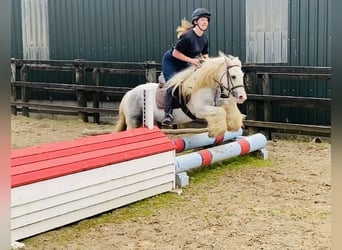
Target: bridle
pixel 231 87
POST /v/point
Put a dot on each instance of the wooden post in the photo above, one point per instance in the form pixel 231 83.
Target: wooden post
pixel 24 91
pixel 251 87
pixel 96 96
pixel 81 94
pixel 151 72
pixel 267 104
pixel 13 88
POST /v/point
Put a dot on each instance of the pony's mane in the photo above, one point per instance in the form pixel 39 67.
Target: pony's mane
pixel 206 75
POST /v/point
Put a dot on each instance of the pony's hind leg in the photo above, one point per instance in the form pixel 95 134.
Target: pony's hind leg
pixel 130 106
pixel 134 121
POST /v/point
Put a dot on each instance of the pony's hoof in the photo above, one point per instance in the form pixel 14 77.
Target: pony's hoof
pixel 212 134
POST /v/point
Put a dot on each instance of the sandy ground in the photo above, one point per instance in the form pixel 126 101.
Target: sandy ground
pixel 286 205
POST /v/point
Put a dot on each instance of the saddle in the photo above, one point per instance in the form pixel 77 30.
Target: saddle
pixel 160 93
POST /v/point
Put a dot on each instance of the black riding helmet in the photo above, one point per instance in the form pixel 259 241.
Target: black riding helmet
pixel 198 13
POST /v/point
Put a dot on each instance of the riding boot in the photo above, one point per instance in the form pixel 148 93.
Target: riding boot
pixel 168 101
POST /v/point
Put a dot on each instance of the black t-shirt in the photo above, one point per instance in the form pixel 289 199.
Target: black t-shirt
pixel 192 45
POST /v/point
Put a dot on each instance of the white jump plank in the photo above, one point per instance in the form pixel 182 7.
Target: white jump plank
pixel 73 195
pixel 54 222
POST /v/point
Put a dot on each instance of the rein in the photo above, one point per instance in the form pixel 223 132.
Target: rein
pixel 229 81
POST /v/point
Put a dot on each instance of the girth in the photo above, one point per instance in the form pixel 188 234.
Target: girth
pixel 182 101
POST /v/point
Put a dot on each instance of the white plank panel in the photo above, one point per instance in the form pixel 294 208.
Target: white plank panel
pixel 89 201
pixel 54 222
pixel 104 186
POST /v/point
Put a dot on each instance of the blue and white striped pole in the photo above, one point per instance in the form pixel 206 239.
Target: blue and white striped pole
pixel 202 139
pixel 243 145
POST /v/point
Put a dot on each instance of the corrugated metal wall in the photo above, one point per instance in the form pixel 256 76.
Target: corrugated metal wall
pixel 309 45
pixel 16 31
pixel 137 30
pixel 310 32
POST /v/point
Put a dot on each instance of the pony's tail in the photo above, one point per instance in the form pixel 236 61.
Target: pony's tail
pixel 121 123
pixel 184 27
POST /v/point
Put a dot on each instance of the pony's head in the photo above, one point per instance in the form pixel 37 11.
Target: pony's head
pixel 223 73
pixel 232 81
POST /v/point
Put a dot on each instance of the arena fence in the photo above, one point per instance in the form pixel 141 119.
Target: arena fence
pixel 259 107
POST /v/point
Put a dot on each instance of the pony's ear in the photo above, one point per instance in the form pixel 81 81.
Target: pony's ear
pixel 238 61
pixel 221 53
pixel 234 60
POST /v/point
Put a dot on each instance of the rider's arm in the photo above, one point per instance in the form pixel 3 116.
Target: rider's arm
pixel 179 55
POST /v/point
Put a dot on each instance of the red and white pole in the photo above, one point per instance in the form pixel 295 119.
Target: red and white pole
pixel 202 139
pixel 243 145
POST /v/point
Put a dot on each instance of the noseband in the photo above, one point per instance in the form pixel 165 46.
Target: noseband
pixel 231 86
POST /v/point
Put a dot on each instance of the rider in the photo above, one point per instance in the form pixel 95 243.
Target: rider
pixel 192 44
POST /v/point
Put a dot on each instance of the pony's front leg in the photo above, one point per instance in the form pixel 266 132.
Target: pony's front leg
pixel 216 118
pixel 233 114
pixel 202 103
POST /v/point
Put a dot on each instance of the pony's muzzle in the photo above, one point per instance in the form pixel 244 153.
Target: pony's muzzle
pixel 241 98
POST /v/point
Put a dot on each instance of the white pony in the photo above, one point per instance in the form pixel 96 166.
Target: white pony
pixel 210 91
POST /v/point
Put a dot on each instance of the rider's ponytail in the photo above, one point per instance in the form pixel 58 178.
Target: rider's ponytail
pixel 184 27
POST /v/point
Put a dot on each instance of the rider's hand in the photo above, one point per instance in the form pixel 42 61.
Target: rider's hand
pixel 195 61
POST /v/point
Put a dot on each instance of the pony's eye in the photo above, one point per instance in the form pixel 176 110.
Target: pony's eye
pixel 233 77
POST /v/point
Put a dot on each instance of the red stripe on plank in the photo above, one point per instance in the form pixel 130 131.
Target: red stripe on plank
pixel 67 167
pixel 122 149
pixel 80 146
pixel 85 140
